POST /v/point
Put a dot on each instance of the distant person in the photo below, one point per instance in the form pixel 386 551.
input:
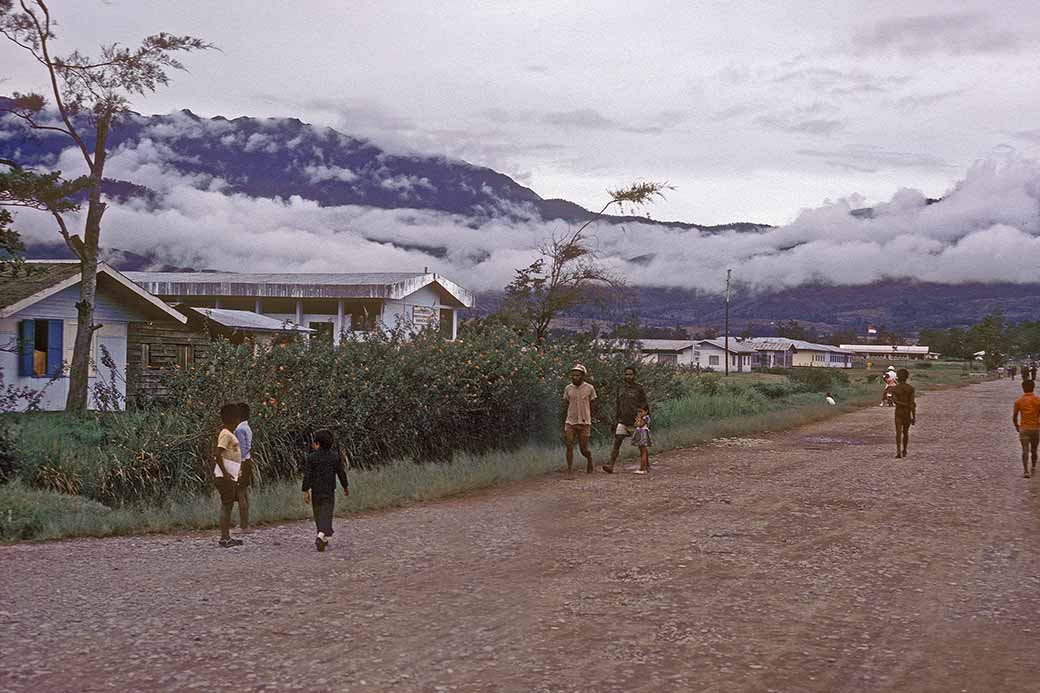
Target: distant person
pixel 321 469
pixel 1011 371
pixel 244 435
pixel 1032 372
pixel 903 397
pixel 631 398
pixel 1026 418
pixel 641 440
pixel 226 471
pixel 1000 371
pixel 579 398
pixel 890 379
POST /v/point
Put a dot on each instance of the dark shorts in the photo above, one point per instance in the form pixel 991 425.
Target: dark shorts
pixel 1029 438
pixel 903 418
pixel 245 477
pixel 583 431
pixel 227 488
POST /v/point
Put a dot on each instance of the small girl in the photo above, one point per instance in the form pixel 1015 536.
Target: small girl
pixel 323 465
pixel 641 440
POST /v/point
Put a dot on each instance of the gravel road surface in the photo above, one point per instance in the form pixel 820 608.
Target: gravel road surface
pixel 809 560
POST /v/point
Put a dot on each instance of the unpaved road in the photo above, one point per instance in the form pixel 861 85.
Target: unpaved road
pixel 803 561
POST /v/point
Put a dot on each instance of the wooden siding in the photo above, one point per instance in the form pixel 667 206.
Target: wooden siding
pixel 164 342
pixel 62 305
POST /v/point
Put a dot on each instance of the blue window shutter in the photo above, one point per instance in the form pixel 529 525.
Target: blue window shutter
pixel 26 345
pixel 55 349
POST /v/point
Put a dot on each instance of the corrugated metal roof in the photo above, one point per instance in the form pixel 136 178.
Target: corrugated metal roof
pixel 383 285
pixel 773 343
pixel 649 344
pixel 245 320
pixel 736 346
pixel 885 348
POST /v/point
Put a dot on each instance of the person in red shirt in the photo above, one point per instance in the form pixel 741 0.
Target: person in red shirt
pixel 1026 418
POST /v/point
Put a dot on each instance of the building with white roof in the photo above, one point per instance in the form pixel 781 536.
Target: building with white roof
pixel 885 352
pixel 330 304
pixel 780 352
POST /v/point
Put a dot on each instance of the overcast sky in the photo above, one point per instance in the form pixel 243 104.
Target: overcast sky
pixel 753 110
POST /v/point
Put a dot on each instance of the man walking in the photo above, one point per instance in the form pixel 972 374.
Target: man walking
pixel 903 397
pixel 631 399
pixel 1026 418
pixel 579 398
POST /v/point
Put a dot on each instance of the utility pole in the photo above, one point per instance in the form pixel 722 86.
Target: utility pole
pixel 726 355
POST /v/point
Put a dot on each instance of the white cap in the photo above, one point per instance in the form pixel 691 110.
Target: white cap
pixel 891 368
pixel 580 368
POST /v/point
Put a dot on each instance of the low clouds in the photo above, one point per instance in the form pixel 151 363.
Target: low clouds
pixel 959 33
pixel 986 228
pixel 870 159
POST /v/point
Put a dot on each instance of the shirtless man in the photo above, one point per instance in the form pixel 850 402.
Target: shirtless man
pixel 906 410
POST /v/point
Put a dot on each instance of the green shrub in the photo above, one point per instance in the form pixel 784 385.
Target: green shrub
pixel 775 390
pixel 25 512
pixel 817 379
pixel 386 399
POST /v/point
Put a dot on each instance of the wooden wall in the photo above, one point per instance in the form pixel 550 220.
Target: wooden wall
pixel 165 345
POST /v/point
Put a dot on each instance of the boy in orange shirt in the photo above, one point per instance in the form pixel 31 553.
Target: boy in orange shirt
pixel 1026 418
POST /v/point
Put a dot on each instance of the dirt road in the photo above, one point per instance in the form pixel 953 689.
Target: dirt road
pixel 811 560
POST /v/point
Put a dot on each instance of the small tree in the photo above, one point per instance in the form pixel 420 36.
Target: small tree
pixel 89 96
pixel 567 273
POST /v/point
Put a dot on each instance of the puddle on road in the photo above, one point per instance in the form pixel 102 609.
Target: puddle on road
pixel 738 442
pixel 829 440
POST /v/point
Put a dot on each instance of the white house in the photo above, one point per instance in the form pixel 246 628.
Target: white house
pixel 710 354
pixel 876 352
pixel 778 350
pixel 330 304
pixel 38 326
pixel 675 351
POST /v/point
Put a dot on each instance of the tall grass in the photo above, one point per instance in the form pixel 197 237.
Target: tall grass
pixel 733 408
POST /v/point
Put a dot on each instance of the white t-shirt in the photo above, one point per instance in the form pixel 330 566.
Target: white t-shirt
pixel 231 453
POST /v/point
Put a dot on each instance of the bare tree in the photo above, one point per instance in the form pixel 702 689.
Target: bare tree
pixel 567 273
pixel 90 94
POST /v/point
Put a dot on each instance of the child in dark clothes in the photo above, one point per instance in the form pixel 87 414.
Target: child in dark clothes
pixel 321 469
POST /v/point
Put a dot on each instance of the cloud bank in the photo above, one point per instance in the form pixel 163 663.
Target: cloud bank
pixel 985 229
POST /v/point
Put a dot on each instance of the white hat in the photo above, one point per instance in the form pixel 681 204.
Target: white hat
pixel 580 368
pixel 891 368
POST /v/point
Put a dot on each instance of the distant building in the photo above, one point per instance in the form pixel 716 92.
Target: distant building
pixel 780 352
pixel 679 352
pixel 330 304
pixel 710 354
pixel 881 352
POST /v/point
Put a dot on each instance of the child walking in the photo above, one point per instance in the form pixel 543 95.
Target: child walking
pixel 641 440
pixel 226 472
pixel 244 435
pixel 1026 418
pixel 321 469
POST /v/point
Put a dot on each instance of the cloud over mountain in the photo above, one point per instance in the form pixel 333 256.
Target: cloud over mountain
pixel 281 195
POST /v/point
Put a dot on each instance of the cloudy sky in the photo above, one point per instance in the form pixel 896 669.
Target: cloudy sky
pixel 753 110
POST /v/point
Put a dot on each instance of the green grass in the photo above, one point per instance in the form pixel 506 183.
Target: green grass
pixel 737 409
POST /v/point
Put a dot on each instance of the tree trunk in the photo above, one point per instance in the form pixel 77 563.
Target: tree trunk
pixel 79 369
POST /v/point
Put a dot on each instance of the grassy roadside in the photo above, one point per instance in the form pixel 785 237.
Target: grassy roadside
pixel 31 514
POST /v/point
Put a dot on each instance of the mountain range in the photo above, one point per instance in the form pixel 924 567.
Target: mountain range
pixel 285 158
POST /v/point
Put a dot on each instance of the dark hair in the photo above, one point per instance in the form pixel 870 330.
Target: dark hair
pixel 1028 385
pixel 229 415
pixel 323 438
pixel 243 411
pixel 631 368
pixel 902 374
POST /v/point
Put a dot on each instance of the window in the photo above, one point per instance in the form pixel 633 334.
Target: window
pixel 185 355
pixel 667 358
pixel 713 360
pixel 40 348
pixel 447 322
